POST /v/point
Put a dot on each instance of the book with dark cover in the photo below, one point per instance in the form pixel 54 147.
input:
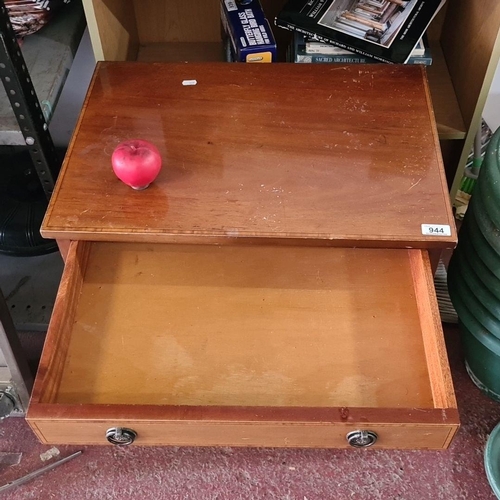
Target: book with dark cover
pixel 305 50
pixel 387 30
pixel 354 59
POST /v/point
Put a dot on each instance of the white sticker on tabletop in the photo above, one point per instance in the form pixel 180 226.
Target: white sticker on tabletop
pixel 436 230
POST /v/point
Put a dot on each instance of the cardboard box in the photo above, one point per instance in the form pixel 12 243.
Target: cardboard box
pixel 246 32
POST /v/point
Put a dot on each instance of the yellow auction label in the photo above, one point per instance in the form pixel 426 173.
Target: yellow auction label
pixel 259 57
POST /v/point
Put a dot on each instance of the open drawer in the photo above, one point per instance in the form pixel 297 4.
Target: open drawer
pixel 244 346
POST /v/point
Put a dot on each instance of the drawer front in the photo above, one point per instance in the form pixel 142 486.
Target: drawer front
pixel 244 346
pixel 276 434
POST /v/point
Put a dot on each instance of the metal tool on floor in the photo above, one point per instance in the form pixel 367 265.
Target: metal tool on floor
pixel 36 473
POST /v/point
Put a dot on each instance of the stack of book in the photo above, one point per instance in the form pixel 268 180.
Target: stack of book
pixel 359 31
pixel 305 49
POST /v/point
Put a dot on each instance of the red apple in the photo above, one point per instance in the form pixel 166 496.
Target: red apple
pixel 136 162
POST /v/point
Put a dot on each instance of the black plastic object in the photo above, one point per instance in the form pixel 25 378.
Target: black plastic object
pixel 22 207
pixel 474 276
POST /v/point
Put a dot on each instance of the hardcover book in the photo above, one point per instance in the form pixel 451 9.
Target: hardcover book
pixel 387 30
pixel 305 50
pixel 314 47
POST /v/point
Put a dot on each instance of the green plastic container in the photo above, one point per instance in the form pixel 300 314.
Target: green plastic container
pixel 474 277
pixel 492 460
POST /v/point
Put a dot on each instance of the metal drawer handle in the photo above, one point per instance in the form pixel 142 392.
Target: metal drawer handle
pixel 120 436
pixel 361 439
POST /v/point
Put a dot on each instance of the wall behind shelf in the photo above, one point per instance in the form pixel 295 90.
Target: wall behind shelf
pixel 73 94
pixel 491 112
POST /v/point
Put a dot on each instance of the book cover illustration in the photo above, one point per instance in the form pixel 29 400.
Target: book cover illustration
pixel 387 30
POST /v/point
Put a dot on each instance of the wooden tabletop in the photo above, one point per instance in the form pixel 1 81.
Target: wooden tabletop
pixel 339 155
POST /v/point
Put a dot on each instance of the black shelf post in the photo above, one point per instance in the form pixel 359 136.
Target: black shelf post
pixel 22 96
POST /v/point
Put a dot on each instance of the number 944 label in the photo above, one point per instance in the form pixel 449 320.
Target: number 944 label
pixel 436 230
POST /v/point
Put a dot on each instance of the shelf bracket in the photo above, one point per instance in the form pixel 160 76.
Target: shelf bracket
pixel 22 96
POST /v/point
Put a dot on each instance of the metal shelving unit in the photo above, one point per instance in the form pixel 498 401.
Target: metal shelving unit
pixel 33 76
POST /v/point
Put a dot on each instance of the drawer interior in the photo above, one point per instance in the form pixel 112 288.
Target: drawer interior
pixel 201 325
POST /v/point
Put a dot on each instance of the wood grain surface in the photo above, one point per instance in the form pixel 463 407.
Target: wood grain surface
pixel 112 28
pixel 233 414
pixel 56 346
pixel 435 348
pixel 240 326
pixel 242 346
pixel 177 21
pixel 338 155
pixel 275 433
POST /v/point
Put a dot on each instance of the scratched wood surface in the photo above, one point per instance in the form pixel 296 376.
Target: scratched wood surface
pixel 335 155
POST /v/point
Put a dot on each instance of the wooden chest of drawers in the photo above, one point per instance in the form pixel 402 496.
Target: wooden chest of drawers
pixel 273 286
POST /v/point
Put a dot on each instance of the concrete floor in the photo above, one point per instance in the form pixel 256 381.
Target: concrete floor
pixel 234 473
